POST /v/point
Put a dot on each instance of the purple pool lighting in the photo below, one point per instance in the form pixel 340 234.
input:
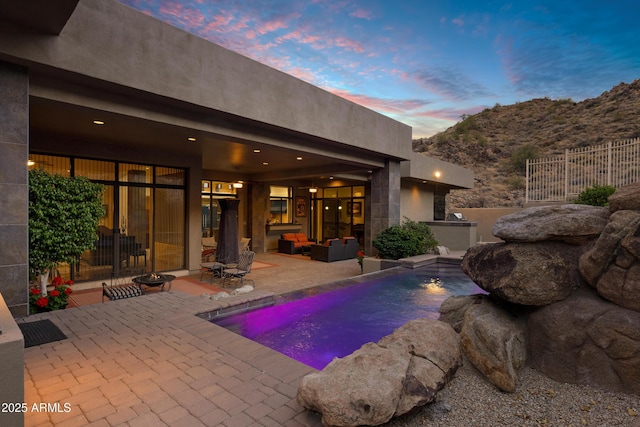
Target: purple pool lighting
pixel 335 323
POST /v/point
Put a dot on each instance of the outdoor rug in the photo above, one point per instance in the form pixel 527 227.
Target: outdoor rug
pixel 40 332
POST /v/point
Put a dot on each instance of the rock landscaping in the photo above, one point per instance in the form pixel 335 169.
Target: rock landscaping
pixel 564 299
pixel 402 371
pixel 575 286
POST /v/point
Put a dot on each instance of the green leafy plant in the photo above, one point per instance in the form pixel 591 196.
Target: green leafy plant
pixel 406 240
pixel 598 195
pixel 63 220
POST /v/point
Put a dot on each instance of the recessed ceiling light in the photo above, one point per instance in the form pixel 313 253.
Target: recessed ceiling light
pixel 256 150
pixel 265 163
pixel 298 158
pixel 98 122
pixel 191 139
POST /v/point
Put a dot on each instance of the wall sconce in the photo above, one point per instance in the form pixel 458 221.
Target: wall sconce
pixel 218 187
pixel 313 190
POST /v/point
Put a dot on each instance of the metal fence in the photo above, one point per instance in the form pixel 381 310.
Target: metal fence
pixel 562 178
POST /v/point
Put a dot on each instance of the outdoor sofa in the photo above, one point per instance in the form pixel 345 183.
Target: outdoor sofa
pixel 335 249
pixel 293 243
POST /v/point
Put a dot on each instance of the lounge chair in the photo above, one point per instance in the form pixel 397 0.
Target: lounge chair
pixel 238 271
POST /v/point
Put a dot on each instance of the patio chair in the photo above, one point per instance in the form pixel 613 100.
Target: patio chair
pixel 213 267
pixel 238 271
pixel 122 286
pixel 244 244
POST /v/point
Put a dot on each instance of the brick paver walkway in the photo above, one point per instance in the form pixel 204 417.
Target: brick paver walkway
pixel 149 361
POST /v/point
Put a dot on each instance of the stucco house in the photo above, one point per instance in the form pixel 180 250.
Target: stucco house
pixel 169 122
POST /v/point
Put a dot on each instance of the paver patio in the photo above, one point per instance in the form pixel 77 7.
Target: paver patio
pixel 151 361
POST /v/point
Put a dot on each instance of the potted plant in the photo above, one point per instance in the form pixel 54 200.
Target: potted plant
pixel 360 257
pixel 56 299
pixel 63 221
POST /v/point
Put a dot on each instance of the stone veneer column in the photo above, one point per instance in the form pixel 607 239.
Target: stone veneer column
pixel 14 187
pixel 258 207
pixel 384 202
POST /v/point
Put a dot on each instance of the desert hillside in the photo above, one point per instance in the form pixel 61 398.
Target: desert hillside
pixel 494 142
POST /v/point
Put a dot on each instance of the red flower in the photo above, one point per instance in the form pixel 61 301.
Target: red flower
pixel 54 293
pixel 69 282
pixel 57 281
pixel 42 302
pixel 35 291
pixel 68 291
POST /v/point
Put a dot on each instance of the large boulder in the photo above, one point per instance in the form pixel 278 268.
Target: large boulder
pixel 363 388
pixel 575 224
pixel 493 339
pixel 587 340
pixel 625 198
pixel 525 273
pixel 612 266
pixel 436 356
pixel 453 309
pixel 402 371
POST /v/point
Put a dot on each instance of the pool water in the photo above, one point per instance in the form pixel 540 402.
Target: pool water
pixel 326 322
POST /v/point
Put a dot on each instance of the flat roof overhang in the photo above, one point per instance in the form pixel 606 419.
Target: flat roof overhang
pixel 424 169
pixel 64 107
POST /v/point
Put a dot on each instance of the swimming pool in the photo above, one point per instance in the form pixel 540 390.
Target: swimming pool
pixel 318 324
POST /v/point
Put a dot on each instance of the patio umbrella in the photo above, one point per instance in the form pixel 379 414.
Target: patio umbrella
pixel 227 248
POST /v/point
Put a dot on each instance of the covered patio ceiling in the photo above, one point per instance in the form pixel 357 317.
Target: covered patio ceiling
pixel 264 154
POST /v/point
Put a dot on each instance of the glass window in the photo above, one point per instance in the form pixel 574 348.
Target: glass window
pixel 51 164
pixel 135 173
pixel 170 228
pixel 280 203
pixel 344 192
pixel 129 234
pixel 169 176
pixel 95 169
pixel 331 193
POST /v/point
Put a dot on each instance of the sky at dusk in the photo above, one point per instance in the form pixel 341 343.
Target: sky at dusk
pixel 426 62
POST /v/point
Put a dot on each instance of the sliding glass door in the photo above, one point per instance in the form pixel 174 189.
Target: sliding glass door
pixel 144 223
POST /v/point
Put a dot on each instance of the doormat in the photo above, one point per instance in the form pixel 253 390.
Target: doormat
pixel 40 332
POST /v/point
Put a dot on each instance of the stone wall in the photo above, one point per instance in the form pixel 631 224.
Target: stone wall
pixel 14 194
pixel 12 366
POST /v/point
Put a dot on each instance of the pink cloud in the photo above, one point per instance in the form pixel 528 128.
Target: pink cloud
pixel 186 16
pixel 362 14
pixel 458 21
pixel 271 26
pixel 380 104
pixel 348 44
pixel 450 113
pixel 300 36
pixel 218 23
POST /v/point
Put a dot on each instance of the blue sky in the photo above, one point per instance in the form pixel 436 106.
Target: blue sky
pixel 427 62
